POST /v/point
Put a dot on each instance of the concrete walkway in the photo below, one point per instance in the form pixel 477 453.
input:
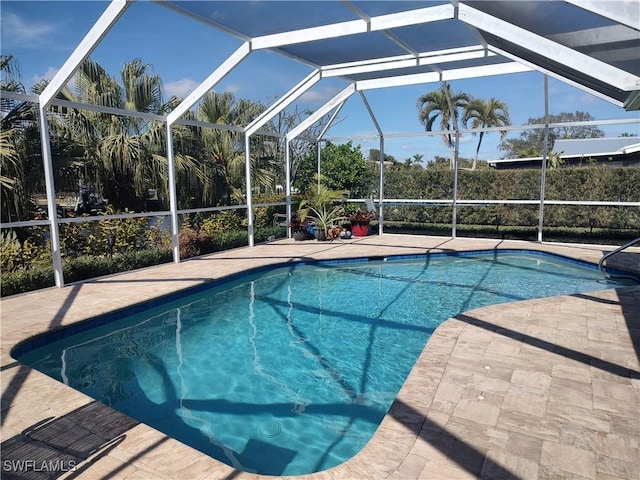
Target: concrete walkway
pixel 537 389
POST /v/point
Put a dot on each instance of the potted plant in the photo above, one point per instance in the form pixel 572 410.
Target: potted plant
pixel 322 210
pixel 360 223
pixel 299 229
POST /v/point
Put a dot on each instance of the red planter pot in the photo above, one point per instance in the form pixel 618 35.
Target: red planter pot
pixel 359 230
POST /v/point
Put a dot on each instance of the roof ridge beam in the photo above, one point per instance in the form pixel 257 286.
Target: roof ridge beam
pixel 445 75
pixel 543 46
pixel 310 34
pixel 352 27
pixel 404 61
pixel 413 17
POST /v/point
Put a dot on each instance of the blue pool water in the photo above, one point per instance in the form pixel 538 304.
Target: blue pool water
pixel 290 371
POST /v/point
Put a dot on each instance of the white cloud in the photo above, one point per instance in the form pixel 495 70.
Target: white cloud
pixel 588 100
pixel 21 30
pixel 467 138
pixel 180 88
pixel 319 95
pixel 232 88
pixel 48 75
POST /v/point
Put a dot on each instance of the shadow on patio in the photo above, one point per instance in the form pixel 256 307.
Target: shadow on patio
pixel 69 443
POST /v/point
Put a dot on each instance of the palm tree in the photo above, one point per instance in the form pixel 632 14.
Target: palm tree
pixel 434 104
pixel 223 150
pixel 124 155
pixel 17 133
pixel 9 158
pixel 486 113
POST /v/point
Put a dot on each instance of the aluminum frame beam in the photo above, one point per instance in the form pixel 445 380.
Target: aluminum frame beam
pixel 447 75
pixel 352 27
pixel 99 29
pixel 380 161
pixel 97 32
pixel 173 195
pixel 218 74
pixel 318 114
pixel 624 12
pixel 543 46
pixel 597 36
pixel 406 61
pixel 283 102
pixel 545 153
pixel 557 76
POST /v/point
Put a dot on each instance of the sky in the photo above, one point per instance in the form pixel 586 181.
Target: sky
pixel 183 52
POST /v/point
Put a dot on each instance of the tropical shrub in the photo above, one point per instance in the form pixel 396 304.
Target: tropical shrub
pixel 220 222
pixel 80 268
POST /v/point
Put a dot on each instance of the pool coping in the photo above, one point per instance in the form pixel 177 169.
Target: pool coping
pixel 403 445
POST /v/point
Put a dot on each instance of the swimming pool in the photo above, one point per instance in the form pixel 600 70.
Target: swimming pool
pixel 291 371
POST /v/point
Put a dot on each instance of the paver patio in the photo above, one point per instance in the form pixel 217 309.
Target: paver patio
pixel 538 389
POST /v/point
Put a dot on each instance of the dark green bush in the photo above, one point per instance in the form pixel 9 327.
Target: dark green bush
pixel 601 236
pixel 21 281
pixel 80 268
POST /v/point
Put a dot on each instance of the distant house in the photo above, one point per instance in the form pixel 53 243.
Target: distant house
pixel 614 152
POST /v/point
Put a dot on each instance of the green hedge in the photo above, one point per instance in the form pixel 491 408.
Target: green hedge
pixel 594 183
pixel 600 236
pixel 80 268
pixel 85 267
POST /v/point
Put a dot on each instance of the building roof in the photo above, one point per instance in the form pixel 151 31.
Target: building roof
pixel 576 149
pixel 586 147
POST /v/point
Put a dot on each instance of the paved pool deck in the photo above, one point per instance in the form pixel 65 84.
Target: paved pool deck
pixel 538 389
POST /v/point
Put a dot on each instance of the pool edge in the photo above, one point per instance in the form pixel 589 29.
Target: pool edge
pixel 355 465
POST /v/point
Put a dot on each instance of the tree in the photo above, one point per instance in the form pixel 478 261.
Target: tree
pixel 411 163
pixel 18 139
pixel 486 113
pixel 299 148
pixel 374 156
pixel 223 150
pixel 531 141
pixel 343 168
pixel 435 104
pixel 122 155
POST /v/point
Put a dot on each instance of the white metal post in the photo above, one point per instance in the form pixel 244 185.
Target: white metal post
pixel 318 165
pixel 173 197
pixel 99 29
pixel 51 197
pixel 381 193
pixel 381 159
pixel 287 177
pixel 454 118
pixel 545 154
pixel 247 162
pixel 454 215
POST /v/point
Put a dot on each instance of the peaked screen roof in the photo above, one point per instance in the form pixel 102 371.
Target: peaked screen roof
pixel 593 45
